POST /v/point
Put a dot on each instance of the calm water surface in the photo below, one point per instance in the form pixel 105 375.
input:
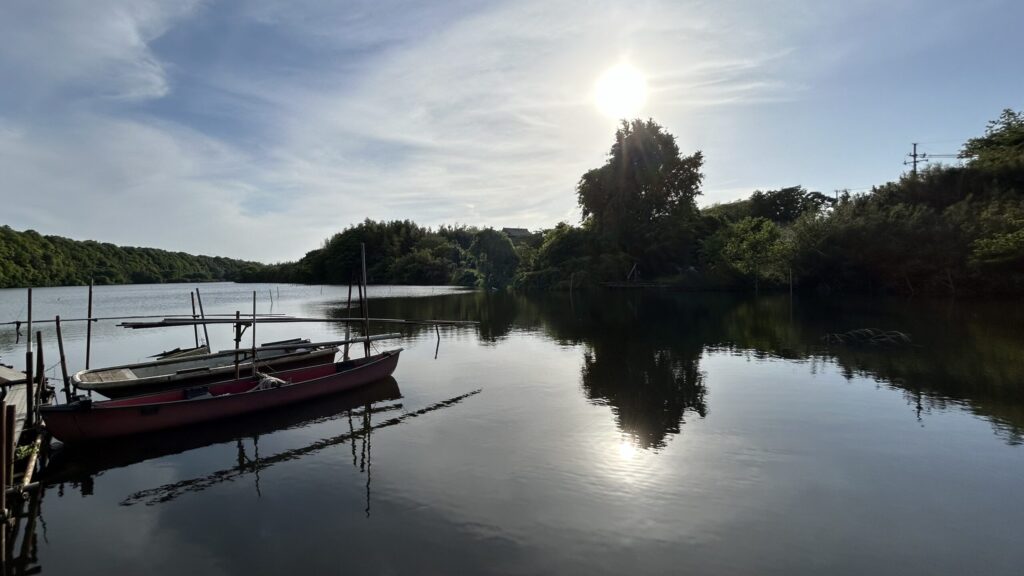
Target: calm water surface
pixel 610 433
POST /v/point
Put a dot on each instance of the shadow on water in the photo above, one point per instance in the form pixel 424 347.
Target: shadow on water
pixel 642 350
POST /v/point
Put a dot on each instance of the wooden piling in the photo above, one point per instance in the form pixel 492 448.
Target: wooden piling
pixel 238 338
pixel 5 446
pixel 29 364
pixel 348 314
pixel 88 329
pixel 10 421
pixel 40 370
pixel 206 334
pixel 366 298
pixel 63 362
pixel 253 333
pixel 195 327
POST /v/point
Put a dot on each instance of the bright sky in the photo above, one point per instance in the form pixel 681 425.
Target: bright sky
pixel 256 129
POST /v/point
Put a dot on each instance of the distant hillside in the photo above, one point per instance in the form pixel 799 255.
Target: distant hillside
pixel 31 259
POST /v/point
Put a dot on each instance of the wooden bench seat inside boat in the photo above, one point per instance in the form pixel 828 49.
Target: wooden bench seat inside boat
pixel 112 375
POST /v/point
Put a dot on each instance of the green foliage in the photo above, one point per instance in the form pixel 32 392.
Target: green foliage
pixel 31 259
pixel 642 200
pixel 1002 144
pixel 496 258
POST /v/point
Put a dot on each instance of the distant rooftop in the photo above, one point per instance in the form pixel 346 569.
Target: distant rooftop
pixel 516 232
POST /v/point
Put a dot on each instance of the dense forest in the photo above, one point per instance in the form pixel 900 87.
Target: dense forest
pixel 945 230
pixel 31 259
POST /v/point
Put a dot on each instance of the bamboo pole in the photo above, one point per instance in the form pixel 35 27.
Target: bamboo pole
pixel 170 322
pixel 238 338
pixel 11 419
pixel 348 314
pixel 389 336
pixel 29 364
pixel 206 334
pixel 366 301
pixel 195 327
pixel 5 446
pixel 40 369
pixel 254 334
pixel 88 329
pixel 63 362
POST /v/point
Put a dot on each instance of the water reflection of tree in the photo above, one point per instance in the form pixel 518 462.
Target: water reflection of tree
pixel 969 353
pixel 650 391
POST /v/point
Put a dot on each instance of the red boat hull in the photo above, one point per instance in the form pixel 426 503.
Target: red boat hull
pixel 89 421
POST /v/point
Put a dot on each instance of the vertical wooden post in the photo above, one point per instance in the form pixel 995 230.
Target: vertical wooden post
pixel 11 420
pixel 253 333
pixel 366 299
pixel 359 294
pixel 40 370
pixel 202 313
pixel 29 364
pixel 63 362
pixel 348 314
pixel 5 446
pixel 195 327
pixel 88 329
pixel 238 338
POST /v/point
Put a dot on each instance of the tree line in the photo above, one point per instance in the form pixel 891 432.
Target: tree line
pixel 946 230
pixel 32 259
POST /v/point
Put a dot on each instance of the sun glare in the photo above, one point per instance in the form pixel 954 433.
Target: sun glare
pixel 621 91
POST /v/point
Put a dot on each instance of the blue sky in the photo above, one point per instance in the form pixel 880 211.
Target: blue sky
pixel 257 129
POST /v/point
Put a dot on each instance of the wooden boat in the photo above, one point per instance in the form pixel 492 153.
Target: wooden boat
pixel 192 370
pixel 86 420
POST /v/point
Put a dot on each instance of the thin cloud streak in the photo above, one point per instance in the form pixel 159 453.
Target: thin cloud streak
pixel 257 129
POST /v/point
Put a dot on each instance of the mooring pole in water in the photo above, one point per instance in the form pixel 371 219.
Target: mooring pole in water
pixel 195 327
pixel 366 299
pixel 5 445
pixel 238 338
pixel 29 366
pixel 88 329
pixel 206 334
pixel 63 362
pixel 253 333
pixel 40 369
pixel 348 314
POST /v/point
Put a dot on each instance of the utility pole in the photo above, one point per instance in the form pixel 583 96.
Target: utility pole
pixel 916 157
pixel 914 160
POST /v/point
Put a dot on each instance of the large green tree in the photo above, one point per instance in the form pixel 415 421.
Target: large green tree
pixel 643 198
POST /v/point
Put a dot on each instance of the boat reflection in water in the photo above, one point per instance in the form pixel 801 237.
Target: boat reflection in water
pixel 80 465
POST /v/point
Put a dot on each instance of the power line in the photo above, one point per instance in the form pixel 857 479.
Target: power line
pixel 920 157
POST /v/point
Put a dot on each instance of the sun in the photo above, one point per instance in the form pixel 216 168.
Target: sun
pixel 621 91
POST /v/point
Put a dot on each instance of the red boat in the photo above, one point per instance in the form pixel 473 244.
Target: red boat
pixel 86 420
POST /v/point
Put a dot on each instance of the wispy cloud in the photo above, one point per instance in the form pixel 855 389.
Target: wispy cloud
pixel 256 129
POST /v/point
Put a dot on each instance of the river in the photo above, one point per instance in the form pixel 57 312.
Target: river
pixel 609 433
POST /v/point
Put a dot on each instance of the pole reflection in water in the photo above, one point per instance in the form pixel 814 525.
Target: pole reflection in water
pixel 171 491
